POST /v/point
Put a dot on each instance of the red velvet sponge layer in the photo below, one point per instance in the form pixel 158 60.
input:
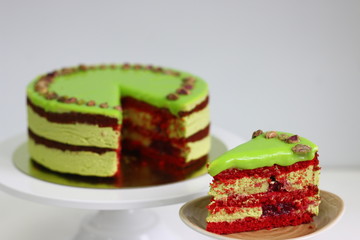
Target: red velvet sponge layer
pixel 252 224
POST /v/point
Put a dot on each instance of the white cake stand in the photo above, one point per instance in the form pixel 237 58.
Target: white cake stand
pixel 122 212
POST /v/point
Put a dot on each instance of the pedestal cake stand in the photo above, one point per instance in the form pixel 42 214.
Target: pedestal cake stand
pixel 122 213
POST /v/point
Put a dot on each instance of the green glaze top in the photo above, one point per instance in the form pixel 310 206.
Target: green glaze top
pixel 98 89
pixel 262 152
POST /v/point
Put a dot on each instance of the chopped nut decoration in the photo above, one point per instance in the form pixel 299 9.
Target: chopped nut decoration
pixel 257 133
pixel 283 137
pixel 91 103
pixel 71 100
pixel 293 139
pixel 119 108
pixel 271 134
pixel 186 86
pixel 104 105
pixel 183 91
pixel 63 99
pixel 51 95
pixel 83 67
pixel 126 66
pixel 172 96
pixel 80 102
pixel 301 149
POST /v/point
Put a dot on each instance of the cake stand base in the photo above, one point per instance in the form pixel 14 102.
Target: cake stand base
pixel 120 225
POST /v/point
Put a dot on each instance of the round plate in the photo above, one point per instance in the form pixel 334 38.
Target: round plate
pixel 194 214
pixel 15 182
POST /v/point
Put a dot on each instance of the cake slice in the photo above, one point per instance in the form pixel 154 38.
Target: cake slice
pixel 268 182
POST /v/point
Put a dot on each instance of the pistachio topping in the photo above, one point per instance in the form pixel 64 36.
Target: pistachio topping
pixel 91 103
pixel 301 149
pixel 83 67
pixel 71 100
pixel 189 80
pixel 171 72
pixel 41 90
pixel 158 70
pixel 271 134
pixel 172 96
pixel 66 71
pixel 119 108
pixel 113 66
pixel 257 133
pixel 51 95
pixel 80 102
pixel 48 78
pixel 149 67
pixel 126 66
pixel 103 66
pixel 183 91
pixel 63 99
pixel 42 85
pixel 188 86
pixel 52 74
pixel 138 67
pixel 104 105
pixel 293 139
pixel 283 137
pixel 92 67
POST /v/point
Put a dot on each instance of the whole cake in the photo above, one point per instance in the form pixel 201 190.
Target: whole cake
pixel 268 182
pixel 82 119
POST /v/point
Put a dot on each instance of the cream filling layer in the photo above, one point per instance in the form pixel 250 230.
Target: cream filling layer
pixel 298 179
pixel 251 185
pixel 198 149
pixel 314 208
pixel 79 162
pixel 242 186
pixel 74 134
pixel 181 127
pixel 238 214
pixel 186 126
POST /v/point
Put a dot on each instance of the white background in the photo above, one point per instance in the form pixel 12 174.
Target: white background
pixel 274 65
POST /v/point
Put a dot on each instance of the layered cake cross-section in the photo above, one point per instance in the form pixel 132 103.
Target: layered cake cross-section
pixel 268 182
pixel 82 119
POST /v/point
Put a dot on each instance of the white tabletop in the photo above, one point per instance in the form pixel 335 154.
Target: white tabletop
pixel 22 219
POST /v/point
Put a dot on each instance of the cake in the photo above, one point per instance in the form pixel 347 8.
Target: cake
pixel 268 182
pixel 82 120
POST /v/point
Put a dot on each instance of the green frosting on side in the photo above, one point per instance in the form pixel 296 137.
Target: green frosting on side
pixel 109 84
pixel 82 162
pixel 262 152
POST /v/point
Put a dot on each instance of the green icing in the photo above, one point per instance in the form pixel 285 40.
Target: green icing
pixel 56 106
pixel 108 85
pixel 261 152
pixel 74 134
